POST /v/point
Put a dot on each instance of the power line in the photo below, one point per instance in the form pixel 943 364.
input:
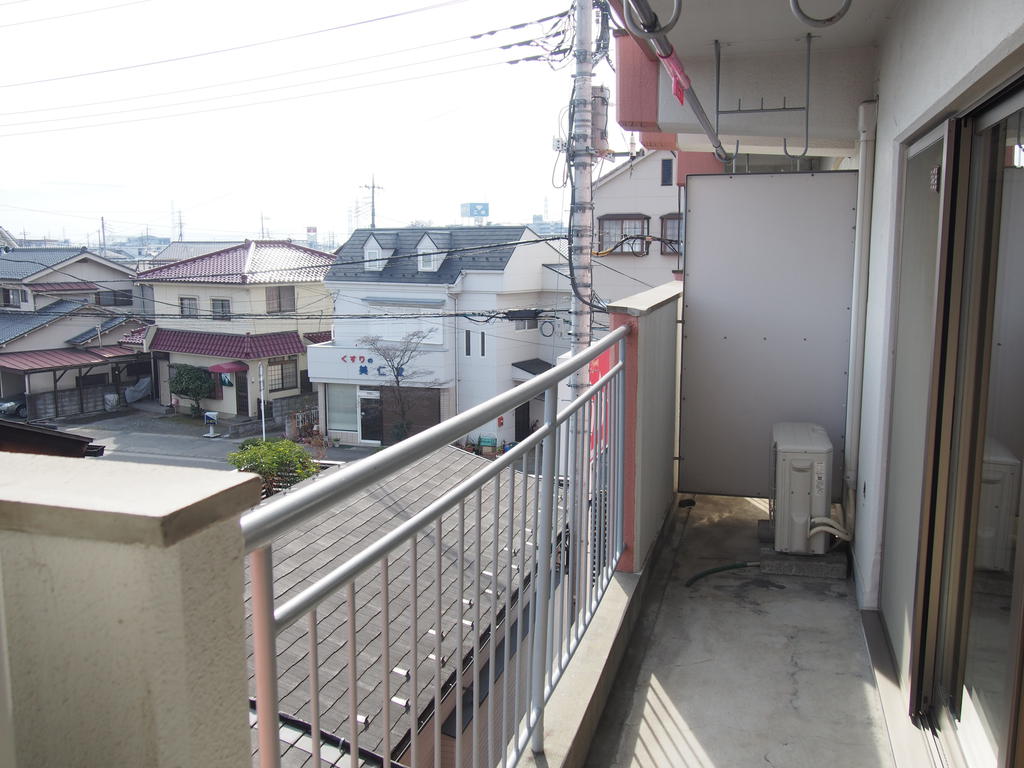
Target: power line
pixel 73 13
pixel 273 101
pixel 244 46
pixel 258 91
pixel 476 36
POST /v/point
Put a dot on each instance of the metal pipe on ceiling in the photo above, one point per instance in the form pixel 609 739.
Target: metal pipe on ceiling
pixel 642 22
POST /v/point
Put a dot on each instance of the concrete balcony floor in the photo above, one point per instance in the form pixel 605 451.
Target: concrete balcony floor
pixel 741 669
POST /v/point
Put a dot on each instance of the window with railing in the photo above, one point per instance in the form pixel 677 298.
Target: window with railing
pixel 671 232
pixel 623 234
pixel 114 298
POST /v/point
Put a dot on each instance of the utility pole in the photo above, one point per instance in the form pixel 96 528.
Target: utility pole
pixel 263 226
pixel 372 186
pixel 103 237
pixel 581 214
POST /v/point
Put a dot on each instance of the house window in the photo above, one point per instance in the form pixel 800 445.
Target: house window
pixel 10 297
pixel 280 298
pixel 343 407
pixel 282 374
pixel 615 228
pixel 469 343
pixel 672 231
pixel 189 306
pixel 220 309
pixel 666 172
pixel 114 298
pixel 217 393
pixel 483 347
pixel 526 325
pixel 373 258
pixel 429 257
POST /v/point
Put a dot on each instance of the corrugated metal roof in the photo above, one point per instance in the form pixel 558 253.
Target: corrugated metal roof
pixel 19 263
pixel 254 261
pixel 14 323
pixel 230 345
pixel 48 359
pixel 403 266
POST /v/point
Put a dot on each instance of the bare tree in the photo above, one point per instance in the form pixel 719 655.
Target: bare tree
pixel 398 358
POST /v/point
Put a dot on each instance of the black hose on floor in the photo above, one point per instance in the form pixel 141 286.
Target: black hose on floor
pixel 719 568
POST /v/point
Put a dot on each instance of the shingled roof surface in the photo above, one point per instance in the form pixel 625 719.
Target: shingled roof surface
pixel 14 323
pixel 251 262
pixel 335 535
pixel 19 263
pixel 90 335
pixel 234 345
pixel 400 247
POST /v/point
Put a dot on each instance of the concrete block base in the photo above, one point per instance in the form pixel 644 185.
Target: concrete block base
pixel 828 566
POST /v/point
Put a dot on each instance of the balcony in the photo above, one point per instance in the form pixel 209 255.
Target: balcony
pixel 414 637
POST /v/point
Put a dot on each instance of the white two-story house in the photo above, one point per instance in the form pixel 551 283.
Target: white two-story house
pixel 236 312
pixel 493 306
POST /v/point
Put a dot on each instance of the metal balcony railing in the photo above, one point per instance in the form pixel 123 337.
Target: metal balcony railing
pixel 451 662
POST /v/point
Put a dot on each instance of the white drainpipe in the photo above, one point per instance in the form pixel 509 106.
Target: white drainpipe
pixel 866 120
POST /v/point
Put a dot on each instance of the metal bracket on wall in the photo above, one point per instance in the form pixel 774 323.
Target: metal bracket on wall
pixel 762 109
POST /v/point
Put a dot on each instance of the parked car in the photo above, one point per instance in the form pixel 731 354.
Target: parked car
pixel 14 406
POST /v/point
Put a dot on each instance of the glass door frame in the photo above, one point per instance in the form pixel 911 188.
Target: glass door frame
pixel 958 402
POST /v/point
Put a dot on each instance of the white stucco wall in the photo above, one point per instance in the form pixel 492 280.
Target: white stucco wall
pixel 935 51
pixel 636 188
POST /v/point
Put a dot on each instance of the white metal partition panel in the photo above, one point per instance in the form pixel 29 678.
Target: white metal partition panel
pixel 766 321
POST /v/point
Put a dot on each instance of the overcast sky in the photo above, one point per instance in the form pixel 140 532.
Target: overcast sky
pixel 478 134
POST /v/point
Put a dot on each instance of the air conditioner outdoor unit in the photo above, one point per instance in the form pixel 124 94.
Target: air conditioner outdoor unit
pixel 998 508
pixel 801 486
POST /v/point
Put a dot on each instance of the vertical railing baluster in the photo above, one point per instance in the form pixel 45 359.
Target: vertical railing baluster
pixel 438 637
pixel 506 669
pixel 520 642
pixel 414 671
pixel 353 678
pixel 566 542
pixel 620 447
pixel 543 538
pixel 477 576
pixel 314 688
pixel 385 657
pixel 459 634
pixel 492 640
pixel 264 646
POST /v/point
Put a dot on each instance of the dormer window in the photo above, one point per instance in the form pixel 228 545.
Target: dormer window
pixel 373 256
pixel 429 257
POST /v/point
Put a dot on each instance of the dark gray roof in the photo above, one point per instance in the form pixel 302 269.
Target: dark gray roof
pixel 339 533
pixel 14 324
pixel 534 365
pixel 90 335
pixel 19 263
pixel 402 266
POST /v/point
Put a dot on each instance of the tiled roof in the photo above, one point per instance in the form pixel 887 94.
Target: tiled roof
pixel 233 345
pixel 61 287
pixel 318 337
pixel 19 263
pixel 135 336
pixel 107 325
pixel 335 535
pixel 47 359
pixel 255 261
pixel 14 324
pixel 403 266
pixel 187 249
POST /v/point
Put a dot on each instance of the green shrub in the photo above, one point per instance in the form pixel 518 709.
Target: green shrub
pixel 192 383
pixel 280 463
